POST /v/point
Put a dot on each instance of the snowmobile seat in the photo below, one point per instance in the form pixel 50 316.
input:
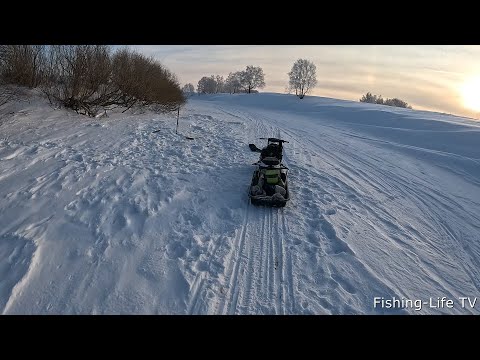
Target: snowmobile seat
pixel 272 150
pixel 270 160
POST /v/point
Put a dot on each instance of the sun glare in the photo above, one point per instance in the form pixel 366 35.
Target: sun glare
pixel 471 93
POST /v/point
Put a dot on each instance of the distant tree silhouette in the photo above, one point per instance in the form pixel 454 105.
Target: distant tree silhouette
pixel 397 102
pixel 232 83
pixel 303 77
pixel 377 99
pixel 219 84
pixel 188 89
pixel 251 78
pixel 369 98
pixel 207 85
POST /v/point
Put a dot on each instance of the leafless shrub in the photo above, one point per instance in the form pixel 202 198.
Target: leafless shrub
pixel 378 99
pixel 90 78
pixel 22 64
pixel 6 94
pixel 78 77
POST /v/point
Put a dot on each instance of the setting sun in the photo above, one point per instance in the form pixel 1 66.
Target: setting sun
pixel 471 93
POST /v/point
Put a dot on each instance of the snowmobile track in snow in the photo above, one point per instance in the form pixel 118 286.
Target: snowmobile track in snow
pixel 259 274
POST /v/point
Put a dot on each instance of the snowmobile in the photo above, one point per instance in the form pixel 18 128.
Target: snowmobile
pixel 269 184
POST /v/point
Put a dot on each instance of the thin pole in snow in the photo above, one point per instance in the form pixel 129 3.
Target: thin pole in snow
pixel 178 115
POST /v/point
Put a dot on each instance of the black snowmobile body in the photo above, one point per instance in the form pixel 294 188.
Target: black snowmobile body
pixel 268 198
pixel 269 184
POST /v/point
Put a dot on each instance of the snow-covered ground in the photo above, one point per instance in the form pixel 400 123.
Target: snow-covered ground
pixel 102 216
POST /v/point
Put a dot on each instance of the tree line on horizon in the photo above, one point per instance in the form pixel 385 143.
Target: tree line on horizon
pixel 302 79
pixel 378 99
pixel 90 78
pixel 246 81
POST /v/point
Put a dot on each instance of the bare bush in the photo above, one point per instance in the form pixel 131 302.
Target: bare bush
pixel 164 93
pixel 22 64
pixel 369 98
pixel 78 76
pixel 88 78
pixel 377 99
pixel 7 93
pixel 143 81
pixel 397 102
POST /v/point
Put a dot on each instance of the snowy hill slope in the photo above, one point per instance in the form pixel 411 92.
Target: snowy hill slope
pixel 102 216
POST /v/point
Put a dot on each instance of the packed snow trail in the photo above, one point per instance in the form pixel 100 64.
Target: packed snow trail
pixel 105 217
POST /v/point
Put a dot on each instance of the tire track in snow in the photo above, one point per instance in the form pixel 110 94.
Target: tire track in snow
pixel 250 270
pixel 253 285
pixel 286 294
pixel 257 270
pixel 271 264
pixel 279 240
pixel 235 260
pixel 196 290
pixel 248 263
pixel 262 273
pixel 262 289
pixel 287 270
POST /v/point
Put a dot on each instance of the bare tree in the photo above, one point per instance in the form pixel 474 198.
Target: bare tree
pixel 303 77
pixel 188 89
pixel 207 85
pixel 232 83
pixel 252 78
pixel 219 84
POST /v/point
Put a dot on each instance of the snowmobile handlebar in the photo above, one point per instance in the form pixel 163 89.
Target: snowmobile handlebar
pixel 274 140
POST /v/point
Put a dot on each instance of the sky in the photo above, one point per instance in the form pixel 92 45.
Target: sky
pixel 438 78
